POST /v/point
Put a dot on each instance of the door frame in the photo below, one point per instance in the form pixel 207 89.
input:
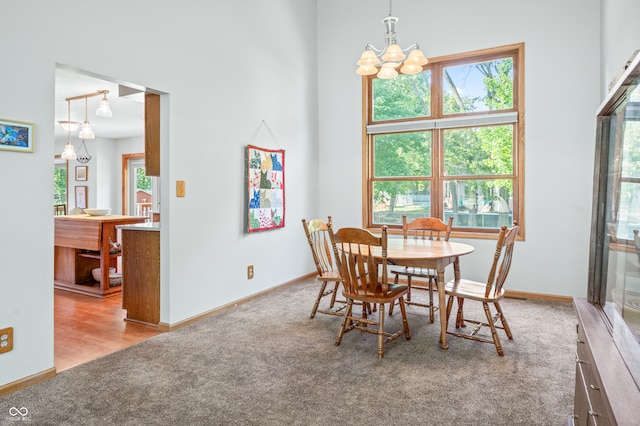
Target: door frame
pixel 125 180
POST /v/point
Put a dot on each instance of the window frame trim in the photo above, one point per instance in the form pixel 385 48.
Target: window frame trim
pixel 514 116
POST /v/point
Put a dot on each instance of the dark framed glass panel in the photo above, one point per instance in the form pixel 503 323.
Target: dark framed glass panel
pixel 615 251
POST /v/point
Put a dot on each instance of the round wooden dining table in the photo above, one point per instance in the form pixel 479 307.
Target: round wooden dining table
pixel 430 254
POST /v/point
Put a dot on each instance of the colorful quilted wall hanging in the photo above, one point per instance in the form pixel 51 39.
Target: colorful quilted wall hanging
pixel 266 188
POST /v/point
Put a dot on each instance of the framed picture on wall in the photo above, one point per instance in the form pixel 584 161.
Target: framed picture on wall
pixel 81 197
pixel 16 136
pixel 266 188
pixel 81 172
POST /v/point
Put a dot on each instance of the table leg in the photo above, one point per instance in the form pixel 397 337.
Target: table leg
pixel 442 310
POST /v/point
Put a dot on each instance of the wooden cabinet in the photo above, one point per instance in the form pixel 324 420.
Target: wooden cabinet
pixel 152 134
pixel 141 273
pixel 82 243
pixel 605 392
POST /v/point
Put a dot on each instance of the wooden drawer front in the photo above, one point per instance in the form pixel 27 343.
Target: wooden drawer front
pixel 78 234
pixel 598 412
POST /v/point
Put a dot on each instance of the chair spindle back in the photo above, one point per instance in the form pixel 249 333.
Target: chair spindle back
pixel 504 250
pixel 355 258
pixel 423 226
pixel 318 237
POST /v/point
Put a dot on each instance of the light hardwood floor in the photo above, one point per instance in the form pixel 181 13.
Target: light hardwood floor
pixel 88 327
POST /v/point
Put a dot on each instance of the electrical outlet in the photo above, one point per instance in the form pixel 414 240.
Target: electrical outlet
pixel 249 272
pixel 6 339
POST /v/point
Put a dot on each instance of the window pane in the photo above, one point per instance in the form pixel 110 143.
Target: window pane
pixel 479 203
pixel 478 151
pixel 402 154
pixel 60 184
pixel 392 199
pixel 480 86
pixel 406 96
pixel 631 147
pixel 629 210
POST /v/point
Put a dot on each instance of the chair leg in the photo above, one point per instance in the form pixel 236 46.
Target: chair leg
pixel 405 323
pixel 494 333
pixel 409 286
pixel 503 320
pixel 381 331
pixel 333 296
pixel 320 295
pixel 395 281
pixel 460 314
pixel 346 321
pixel 448 312
pixel 431 309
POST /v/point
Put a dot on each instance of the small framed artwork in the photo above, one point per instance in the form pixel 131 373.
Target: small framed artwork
pixel 16 136
pixel 81 172
pixel 81 197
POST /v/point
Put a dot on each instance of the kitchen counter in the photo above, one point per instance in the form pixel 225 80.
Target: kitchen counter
pixel 147 226
pixel 141 272
pixel 82 243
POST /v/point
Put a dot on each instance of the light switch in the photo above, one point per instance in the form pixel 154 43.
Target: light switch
pixel 180 188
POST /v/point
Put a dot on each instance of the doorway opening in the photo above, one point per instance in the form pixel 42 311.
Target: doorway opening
pixel 104 329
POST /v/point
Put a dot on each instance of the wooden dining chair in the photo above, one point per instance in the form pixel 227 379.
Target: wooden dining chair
pixel 425 228
pixel 59 209
pixel 320 243
pixel 487 293
pixel 364 283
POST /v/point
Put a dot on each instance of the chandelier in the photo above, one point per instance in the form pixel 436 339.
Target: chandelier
pixel 384 63
pixel 86 132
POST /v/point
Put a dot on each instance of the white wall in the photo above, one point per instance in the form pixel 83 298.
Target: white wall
pixel 562 85
pixel 198 53
pixel 620 37
pixel 215 107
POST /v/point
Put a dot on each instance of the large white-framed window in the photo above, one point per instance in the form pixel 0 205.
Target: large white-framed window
pixel 447 142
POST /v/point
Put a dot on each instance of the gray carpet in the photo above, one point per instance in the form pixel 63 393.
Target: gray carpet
pixel 267 363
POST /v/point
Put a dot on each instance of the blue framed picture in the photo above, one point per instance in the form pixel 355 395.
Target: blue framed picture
pixel 16 136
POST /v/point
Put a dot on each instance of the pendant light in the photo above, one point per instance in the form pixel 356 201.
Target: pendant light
pixel 68 153
pixel 104 110
pixel 85 131
pixel 83 154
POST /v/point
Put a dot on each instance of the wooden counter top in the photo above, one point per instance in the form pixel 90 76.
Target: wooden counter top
pixel 77 240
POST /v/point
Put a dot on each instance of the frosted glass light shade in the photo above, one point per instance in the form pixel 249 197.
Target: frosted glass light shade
pixel 393 54
pixel 366 70
pixel 410 69
pixel 368 57
pixel 86 132
pixel 416 57
pixel 69 126
pixel 386 73
pixel 104 110
pixel 69 153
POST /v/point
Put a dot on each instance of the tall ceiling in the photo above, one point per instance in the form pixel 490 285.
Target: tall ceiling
pixel 128 111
